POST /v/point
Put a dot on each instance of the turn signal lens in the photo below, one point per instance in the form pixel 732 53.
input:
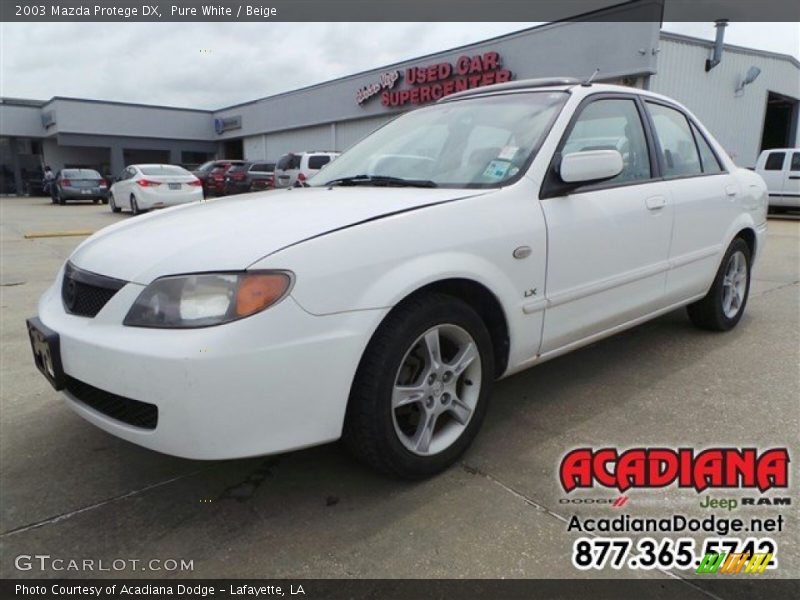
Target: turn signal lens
pixel 256 292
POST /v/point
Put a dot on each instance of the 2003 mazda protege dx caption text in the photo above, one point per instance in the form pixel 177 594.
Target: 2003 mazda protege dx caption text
pixel 460 243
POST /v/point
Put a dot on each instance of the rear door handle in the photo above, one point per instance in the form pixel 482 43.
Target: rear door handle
pixel 730 190
pixel 655 202
pixel 794 176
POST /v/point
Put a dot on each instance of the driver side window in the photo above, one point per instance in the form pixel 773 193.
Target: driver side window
pixel 613 124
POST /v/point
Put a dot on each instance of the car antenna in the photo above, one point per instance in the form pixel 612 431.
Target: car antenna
pixel 588 82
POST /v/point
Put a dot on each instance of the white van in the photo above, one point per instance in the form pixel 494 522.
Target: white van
pixel 780 168
pixel 298 166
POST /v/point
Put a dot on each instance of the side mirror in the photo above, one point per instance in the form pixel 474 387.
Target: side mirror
pixel 590 166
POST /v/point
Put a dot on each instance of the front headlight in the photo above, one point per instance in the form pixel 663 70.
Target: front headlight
pixel 205 299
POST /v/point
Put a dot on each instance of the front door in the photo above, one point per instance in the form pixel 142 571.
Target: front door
pixel 608 243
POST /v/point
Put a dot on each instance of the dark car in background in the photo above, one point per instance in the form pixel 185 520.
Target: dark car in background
pixel 212 175
pixel 80 184
pixel 249 177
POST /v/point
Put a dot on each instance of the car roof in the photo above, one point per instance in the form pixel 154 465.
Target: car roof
pixel 556 84
pixel 138 166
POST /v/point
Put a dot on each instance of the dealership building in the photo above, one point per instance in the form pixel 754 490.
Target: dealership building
pixel 747 98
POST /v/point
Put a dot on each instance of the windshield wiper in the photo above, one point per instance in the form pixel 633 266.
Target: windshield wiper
pixel 384 180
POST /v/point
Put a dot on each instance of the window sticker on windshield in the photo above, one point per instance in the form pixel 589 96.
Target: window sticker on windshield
pixel 507 153
pixel 496 169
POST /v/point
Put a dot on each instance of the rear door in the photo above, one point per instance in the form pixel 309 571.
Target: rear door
pixel 791 184
pixel 608 243
pixel 773 172
pixel 705 197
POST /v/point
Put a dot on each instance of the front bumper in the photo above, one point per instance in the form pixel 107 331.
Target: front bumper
pixel 273 382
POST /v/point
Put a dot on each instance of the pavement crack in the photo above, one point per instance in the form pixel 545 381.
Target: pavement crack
pixel 527 499
pixel 780 287
pixel 72 513
pixel 542 508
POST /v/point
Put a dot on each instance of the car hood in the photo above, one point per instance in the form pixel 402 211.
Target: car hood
pixel 229 234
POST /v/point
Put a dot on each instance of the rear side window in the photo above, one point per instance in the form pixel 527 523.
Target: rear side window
pixel 317 162
pixel 708 159
pixel 80 174
pixel 613 124
pixel 163 170
pixel 289 161
pixel 795 166
pixel 679 154
pixel 775 161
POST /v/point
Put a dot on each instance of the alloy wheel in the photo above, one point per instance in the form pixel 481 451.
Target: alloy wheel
pixel 734 284
pixel 436 389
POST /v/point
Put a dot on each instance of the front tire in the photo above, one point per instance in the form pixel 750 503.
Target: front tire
pixel 723 306
pixel 422 388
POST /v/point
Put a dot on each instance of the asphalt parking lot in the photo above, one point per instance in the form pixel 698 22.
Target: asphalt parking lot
pixel 72 491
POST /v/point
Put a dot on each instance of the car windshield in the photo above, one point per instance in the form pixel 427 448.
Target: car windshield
pixel 80 174
pixel 155 170
pixel 478 142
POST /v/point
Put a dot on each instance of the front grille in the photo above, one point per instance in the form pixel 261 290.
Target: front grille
pixel 132 412
pixel 84 293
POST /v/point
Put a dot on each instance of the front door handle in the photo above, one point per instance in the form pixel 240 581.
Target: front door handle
pixel 655 202
pixel 731 190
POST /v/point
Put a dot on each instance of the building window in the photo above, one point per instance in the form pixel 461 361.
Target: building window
pixel 194 158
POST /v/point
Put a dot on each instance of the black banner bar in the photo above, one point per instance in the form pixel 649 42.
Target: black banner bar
pixel 734 586
pixel 396 10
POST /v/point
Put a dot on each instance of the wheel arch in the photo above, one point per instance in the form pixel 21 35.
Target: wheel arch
pixel 482 300
pixel 748 234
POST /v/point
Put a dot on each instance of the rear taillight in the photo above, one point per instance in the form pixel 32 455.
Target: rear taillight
pixel 148 183
pixel 272 180
pixel 301 177
pixel 102 183
pixel 196 182
pixel 66 182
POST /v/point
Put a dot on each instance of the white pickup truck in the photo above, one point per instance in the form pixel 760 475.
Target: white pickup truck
pixel 780 169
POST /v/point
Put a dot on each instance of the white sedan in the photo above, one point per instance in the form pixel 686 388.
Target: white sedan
pixel 142 187
pixel 454 246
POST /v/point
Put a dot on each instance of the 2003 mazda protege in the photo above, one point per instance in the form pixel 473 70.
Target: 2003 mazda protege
pixel 458 244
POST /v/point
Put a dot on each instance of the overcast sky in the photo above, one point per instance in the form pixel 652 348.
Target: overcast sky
pixel 212 65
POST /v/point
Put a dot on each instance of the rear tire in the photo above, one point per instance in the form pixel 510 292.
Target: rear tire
pixel 134 206
pixel 60 199
pixel 724 304
pixel 411 414
pixel 113 205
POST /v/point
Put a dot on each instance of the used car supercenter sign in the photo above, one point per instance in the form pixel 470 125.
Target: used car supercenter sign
pixel 431 82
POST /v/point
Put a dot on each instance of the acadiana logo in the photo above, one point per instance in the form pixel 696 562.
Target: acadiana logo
pixel 661 467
